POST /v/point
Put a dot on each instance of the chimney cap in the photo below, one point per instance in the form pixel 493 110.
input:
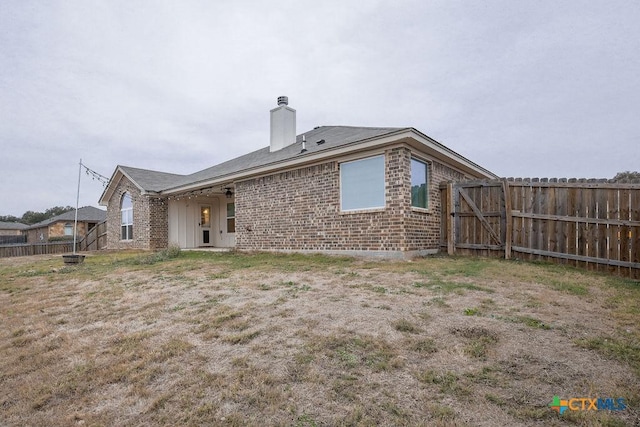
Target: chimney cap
pixel 283 100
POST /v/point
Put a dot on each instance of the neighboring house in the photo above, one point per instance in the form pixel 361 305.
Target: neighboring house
pixel 11 228
pixel 333 188
pixel 60 227
pixel 12 232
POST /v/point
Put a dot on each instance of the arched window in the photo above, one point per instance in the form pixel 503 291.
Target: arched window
pixel 68 229
pixel 126 222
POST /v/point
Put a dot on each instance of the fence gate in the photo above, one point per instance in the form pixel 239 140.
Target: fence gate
pixel 477 215
pixel 586 223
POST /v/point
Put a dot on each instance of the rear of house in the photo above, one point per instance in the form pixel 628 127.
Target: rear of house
pixel 332 189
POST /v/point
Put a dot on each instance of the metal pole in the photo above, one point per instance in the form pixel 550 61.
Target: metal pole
pixel 75 222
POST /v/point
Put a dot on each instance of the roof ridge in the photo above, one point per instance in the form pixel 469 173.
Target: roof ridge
pixel 362 127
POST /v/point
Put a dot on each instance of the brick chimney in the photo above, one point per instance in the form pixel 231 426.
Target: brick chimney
pixel 283 125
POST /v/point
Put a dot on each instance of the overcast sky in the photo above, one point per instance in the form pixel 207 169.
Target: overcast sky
pixel 523 88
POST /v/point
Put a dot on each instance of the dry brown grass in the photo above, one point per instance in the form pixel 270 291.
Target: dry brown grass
pixel 232 339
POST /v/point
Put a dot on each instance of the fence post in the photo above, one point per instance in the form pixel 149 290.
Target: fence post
pixel 508 219
pixel 451 244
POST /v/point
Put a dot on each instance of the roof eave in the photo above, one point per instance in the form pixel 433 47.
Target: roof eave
pixel 444 153
pixel 406 135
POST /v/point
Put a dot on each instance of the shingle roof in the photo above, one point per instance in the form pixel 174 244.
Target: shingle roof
pixel 333 136
pixel 12 225
pixel 152 180
pixel 86 213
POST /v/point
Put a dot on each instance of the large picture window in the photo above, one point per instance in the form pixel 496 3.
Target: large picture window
pixel 362 184
pixel 126 215
pixel 419 187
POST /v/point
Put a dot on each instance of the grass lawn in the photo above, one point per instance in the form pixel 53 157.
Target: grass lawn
pixel 201 338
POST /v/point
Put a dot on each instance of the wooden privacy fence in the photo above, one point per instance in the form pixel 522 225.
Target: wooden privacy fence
pixel 26 249
pixel 95 239
pixel 587 223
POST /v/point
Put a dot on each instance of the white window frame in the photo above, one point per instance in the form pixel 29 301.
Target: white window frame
pixel 427 176
pixel 373 207
pixel 128 223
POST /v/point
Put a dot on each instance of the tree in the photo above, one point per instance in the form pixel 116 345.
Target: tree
pixel 9 218
pixel 627 177
pixel 57 210
pixel 31 217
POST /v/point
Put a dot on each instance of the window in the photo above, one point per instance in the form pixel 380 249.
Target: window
pixel 68 229
pixel 205 216
pixel 419 187
pixel 126 222
pixel 362 184
pixel 231 217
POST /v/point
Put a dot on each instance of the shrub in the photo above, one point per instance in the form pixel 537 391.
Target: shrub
pixel 171 252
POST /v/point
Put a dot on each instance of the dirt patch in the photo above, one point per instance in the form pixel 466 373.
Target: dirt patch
pixel 228 339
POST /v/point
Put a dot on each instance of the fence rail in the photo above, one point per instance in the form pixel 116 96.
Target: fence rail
pixel 594 225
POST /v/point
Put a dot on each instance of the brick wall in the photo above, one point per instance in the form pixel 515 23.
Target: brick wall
pixel 300 210
pixel 423 228
pixel 10 232
pixel 33 235
pixel 158 222
pixel 150 220
pixel 55 231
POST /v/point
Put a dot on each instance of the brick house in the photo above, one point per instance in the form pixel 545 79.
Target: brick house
pixel 12 232
pixel 60 227
pixel 12 228
pixel 331 189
